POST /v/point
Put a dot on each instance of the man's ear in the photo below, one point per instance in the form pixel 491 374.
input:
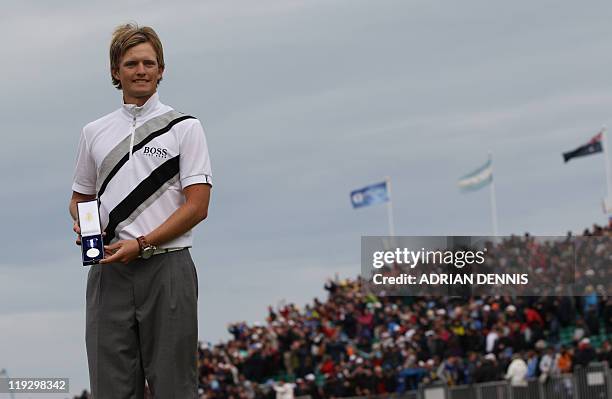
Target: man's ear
pixel 161 75
pixel 115 73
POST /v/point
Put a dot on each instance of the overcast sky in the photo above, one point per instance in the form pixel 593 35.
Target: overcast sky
pixel 302 102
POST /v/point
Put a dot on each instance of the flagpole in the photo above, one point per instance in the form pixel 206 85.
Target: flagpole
pixel 390 208
pixel 4 373
pixel 604 144
pixel 493 200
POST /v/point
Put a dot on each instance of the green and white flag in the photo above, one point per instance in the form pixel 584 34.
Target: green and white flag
pixel 478 178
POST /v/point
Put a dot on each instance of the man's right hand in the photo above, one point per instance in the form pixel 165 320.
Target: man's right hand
pixel 77 230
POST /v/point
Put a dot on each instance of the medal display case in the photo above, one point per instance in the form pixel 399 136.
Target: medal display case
pixel 92 245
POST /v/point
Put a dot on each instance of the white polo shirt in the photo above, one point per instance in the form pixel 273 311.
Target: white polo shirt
pixel 137 160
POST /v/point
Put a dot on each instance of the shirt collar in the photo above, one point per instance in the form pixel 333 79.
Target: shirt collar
pixel 146 109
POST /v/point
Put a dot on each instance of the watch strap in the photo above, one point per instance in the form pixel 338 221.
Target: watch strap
pixel 142 243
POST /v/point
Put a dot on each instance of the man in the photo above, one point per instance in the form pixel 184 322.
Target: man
pixel 148 166
pixel 284 390
pixel 488 370
pixel 517 371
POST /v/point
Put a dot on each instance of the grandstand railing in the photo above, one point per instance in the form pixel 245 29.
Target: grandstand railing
pixel 591 382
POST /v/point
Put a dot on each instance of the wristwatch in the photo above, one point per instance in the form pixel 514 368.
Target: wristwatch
pixel 146 249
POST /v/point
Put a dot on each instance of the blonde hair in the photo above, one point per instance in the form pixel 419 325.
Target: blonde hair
pixel 127 36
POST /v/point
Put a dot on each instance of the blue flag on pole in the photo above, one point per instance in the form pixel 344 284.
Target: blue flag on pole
pixel 370 195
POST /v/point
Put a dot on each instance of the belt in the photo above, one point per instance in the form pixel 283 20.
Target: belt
pixel 166 250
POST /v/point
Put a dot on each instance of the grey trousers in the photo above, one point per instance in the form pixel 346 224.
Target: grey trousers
pixel 141 322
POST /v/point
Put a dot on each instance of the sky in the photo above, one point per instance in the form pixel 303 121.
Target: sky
pixel 302 102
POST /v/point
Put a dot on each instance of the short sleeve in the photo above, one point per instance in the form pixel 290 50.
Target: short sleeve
pixel 194 158
pixel 85 169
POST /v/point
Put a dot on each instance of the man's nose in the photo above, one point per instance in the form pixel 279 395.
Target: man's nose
pixel 140 69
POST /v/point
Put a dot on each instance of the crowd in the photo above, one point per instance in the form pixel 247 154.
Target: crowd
pixel 357 343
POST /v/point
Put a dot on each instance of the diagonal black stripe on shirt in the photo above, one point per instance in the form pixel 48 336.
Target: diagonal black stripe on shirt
pixel 137 147
pixel 144 190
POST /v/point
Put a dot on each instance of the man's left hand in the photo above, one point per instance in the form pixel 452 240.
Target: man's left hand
pixel 122 251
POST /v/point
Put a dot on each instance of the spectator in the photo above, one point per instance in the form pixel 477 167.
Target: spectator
pixel 546 365
pixel 607 315
pixel 605 354
pixel 532 365
pixel 492 338
pixel 585 353
pixel 517 372
pixel 488 370
pixel 284 390
pixel 581 331
pixel 449 371
pixel 564 361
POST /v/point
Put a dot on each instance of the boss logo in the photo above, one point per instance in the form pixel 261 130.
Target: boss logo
pixel 155 152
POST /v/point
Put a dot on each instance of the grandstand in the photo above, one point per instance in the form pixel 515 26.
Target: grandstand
pixel 358 344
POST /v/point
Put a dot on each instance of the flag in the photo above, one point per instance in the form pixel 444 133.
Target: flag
pixel 478 178
pixel 592 147
pixel 370 195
